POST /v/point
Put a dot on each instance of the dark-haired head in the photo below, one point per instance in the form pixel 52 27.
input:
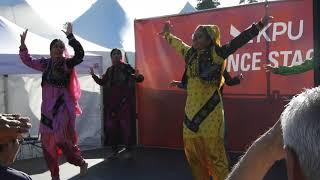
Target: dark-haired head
pixel 57 48
pixel 115 50
pixel 205 36
pixel 116 56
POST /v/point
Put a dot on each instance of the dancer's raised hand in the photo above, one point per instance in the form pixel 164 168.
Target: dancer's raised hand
pixel 23 38
pixel 266 19
pixel 91 71
pixel 268 67
pixel 166 28
pixel 68 28
pixel 136 72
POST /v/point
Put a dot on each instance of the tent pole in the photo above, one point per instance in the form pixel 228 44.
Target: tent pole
pixel 316 41
pixel 5 93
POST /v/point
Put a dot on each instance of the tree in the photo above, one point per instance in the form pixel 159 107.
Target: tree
pixel 207 4
pixel 249 1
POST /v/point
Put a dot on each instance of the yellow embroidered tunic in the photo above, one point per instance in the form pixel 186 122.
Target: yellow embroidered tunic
pixel 204 148
pixel 199 92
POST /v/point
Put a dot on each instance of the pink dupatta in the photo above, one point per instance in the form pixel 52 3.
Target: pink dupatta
pixel 74 87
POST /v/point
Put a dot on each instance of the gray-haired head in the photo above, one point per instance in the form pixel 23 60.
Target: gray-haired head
pixel 301 130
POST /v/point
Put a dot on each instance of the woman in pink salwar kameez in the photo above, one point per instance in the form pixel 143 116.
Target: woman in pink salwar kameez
pixel 60 95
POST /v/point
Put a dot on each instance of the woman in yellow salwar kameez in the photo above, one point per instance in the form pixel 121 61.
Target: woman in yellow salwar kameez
pixel 203 127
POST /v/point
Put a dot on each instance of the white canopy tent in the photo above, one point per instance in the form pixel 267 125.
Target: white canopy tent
pixel 21 90
pixel 107 23
pixel 20 13
pixel 23 15
pixel 188 8
pixel 112 21
pixel 107 19
pixel 37 45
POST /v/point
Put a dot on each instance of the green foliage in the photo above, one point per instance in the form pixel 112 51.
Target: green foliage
pixel 207 4
pixel 249 1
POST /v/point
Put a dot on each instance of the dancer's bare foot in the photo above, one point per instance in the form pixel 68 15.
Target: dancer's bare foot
pixel 56 178
pixel 115 153
pixel 84 169
pixel 128 153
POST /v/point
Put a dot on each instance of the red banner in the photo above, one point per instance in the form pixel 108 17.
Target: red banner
pixel 251 107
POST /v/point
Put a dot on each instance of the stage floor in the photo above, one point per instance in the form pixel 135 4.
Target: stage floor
pixel 149 163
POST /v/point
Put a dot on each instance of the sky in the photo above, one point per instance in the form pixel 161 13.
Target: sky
pixel 56 12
